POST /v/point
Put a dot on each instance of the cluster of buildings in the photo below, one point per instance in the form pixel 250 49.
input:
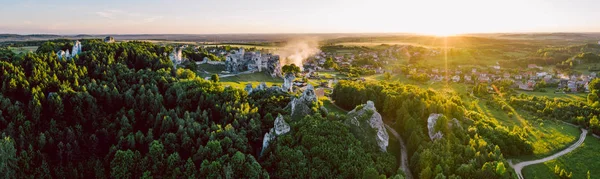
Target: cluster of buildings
pixel 237 61
pixel 523 79
pixel 68 55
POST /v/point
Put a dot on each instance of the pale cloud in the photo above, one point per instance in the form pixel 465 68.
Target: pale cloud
pixel 152 19
pixel 27 22
pixel 105 14
pixel 110 14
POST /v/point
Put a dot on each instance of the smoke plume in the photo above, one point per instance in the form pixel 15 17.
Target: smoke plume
pixel 297 50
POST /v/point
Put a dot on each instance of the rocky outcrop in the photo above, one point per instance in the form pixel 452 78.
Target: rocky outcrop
pixel 367 125
pixel 176 56
pixel 279 128
pixel 288 82
pixel 61 54
pixel 431 121
pixel 262 86
pixel 249 88
pixel 303 105
pixel 76 49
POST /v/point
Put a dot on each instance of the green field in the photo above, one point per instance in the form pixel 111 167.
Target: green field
pixel 550 94
pixel 547 136
pixel 212 69
pixel 580 161
pixel 25 49
pixel 331 107
pixel 240 81
pixel 583 68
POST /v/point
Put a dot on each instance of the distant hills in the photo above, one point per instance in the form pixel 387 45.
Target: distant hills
pixel 242 38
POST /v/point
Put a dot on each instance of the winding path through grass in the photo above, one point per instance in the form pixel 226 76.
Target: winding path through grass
pixel 519 166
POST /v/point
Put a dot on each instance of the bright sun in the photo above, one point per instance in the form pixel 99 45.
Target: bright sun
pixel 441 32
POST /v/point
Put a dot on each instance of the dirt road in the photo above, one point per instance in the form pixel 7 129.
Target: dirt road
pixel 403 154
pixel 519 166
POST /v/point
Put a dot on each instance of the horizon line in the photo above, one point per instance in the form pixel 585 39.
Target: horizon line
pixel 298 33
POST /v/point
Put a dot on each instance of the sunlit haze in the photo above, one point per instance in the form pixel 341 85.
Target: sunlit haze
pixel 439 17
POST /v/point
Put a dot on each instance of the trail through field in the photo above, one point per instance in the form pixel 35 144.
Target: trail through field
pixel 519 166
pixel 403 154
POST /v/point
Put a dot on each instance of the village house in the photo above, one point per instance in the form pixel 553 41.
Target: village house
pixel 484 78
pixel 548 78
pixel 541 74
pixel 572 86
pixel 518 77
pixel 468 79
pixel 456 78
pixel 528 86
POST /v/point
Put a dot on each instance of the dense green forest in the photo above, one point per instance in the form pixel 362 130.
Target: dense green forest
pixel 121 110
pixel 475 148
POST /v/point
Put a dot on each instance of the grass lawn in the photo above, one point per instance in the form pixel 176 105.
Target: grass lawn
pixel 550 137
pixel 550 94
pixel 547 137
pixel 583 68
pixel 240 81
pixel 580 161
pixel 331 107
pixel 211 68
pixel 25 49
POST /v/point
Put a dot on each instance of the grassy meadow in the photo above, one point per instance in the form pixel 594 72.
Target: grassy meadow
pixel 580 161
pixel 25 49
pixel 240 81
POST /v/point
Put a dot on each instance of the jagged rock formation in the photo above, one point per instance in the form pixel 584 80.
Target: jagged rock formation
pixel 248 88
pixel 261 86
pixel 109 39
pixel 68 55
pixel 288 82
pixel 76 49
pixel 431 121
pixel 61 54
pixel 279 128
pixel 303 106
pixel 177 56
pixel 363 120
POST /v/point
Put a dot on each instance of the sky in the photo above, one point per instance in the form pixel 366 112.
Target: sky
pixel 438 17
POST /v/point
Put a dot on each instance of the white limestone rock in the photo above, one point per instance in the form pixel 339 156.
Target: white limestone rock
pixel 248 88
pixel 279 128
pixel 303 106
pixel 365 118
pixel 288 82
pixel 61 54
pixel 261 86
pixel 76 49
pixel 431 121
